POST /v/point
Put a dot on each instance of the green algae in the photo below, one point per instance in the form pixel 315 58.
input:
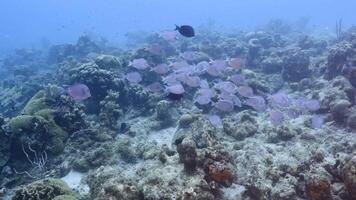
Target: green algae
pixel 38 119
pixel 36 103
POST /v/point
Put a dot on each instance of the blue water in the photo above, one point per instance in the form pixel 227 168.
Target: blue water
pixel 30 23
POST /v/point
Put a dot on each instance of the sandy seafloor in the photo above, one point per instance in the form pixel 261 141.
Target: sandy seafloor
pixel 131 140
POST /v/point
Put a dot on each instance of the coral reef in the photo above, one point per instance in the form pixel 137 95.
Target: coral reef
pixel 43 189
pixel 318 187
pixel 296 66
pixel 245 128
pixel 110 110
pixel 39 126
pixel 349 176
pixel 266 114
pixel 108 62
pixel 4 145
pixel 187 154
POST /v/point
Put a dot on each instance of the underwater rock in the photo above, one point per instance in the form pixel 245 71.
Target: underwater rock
pixel 86 45
pixel 185 120
pixel 282 133
pixel 247 127
pixel 154 181
pixel 352 76
pixel 272 64
pixel 187 154
pixel 307 42
pixel 349 177
pixel 109 183
pixel 58 53
pixel 97 79
pixel 162 110
pixel 351 121
pixel 122 191
pixel 296 66
pixel 140 98
pixel 200 130
pixel 217 166
pixel 285 189
pixel 4 147
pixel 318 187
pixel 108 62
pixel 97 178
pixel 337 58
pixel 65 197
pixel 43 190
pixel 92 149
pixel 124 148
pixel 340 111
pixel 339 89
pixel 110 110
pixel 132 150
pixel 218 172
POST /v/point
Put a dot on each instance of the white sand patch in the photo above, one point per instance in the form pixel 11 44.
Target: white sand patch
pixel 234 192
pixel 164 136
pixel 75 181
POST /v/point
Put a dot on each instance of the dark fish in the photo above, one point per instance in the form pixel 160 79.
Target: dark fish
pixel 185 30
pixel 174 97
pixel 124 127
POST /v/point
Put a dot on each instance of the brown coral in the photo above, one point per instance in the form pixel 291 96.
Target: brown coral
pixel 219 172
pixel 349 176
pixel 318 188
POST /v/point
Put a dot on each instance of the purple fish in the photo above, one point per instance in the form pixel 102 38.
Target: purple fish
pixel 79 91
pixel 216 68
pixel 155 49
pixel 202 100
pixel 133 77
pixel 237 63
pixel 276 117
pixel 292 113
pixel 238 79
pixel 226 86
pixel 317 121
pixel 192 81
pixel 206 92
pixel 213 71
pixel 312 105
pixel 203 65
pixel 176 89
pixel 155 87
pixel 245 91
pixel 139 63
pixel 216 121
pixel 219 64
pixel 204 84
pixel 280 99
pixel 170 79
pixel 224 105
pixel 256 102
pixel 231 97
pixel 180 64
pixel 161 69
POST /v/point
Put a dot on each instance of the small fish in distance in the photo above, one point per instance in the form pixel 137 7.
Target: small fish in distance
pixel 185 30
